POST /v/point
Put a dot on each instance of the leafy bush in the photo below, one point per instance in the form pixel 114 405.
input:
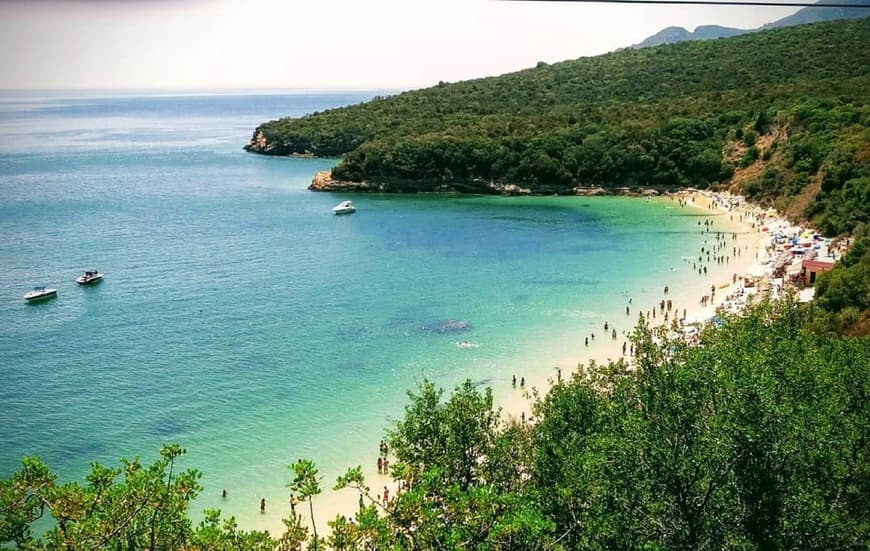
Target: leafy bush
pixel 749 138
pixel 749 157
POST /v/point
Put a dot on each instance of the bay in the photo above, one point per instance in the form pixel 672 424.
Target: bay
pixel 241 318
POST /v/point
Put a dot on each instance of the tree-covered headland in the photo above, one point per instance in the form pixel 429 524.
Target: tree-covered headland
pixel 758 438
pixel 781 115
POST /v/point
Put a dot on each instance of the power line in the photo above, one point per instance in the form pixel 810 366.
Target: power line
pixel 707 3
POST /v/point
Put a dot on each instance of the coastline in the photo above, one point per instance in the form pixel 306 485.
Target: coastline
pixel 516 403
pixel 324 182
pixel 603 350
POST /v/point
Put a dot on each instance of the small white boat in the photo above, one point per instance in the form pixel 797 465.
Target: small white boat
pixel 345 207
pixel 89 277
pixel 40 293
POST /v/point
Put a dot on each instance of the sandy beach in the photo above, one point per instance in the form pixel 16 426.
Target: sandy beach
pixel 739 229
pixel 724 277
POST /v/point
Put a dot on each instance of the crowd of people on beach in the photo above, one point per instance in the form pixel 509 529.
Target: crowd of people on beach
pixel 720 247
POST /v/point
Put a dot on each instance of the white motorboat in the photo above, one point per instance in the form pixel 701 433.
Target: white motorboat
pixel 89 277
pixel 40 293
pixel 345 207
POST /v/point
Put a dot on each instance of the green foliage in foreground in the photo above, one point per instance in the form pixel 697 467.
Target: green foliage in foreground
pixel 759 438
pixel 147 508
pixel 843 294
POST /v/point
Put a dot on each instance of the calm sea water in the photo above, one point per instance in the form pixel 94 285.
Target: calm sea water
pixel 242 319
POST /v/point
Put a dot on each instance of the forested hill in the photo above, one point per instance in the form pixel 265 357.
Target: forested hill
pixel 812 14
pixel 684 114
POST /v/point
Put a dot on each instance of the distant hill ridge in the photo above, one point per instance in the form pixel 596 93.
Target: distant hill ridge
pixel 673 35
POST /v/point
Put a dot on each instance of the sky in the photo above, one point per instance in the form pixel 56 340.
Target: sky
pixel 319 44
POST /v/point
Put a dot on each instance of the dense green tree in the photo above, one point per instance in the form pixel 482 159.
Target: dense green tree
pixel 755 439
pixel 455 438
pixel 843 293
pixel 146 509
pixel 656 117
pixel 217 534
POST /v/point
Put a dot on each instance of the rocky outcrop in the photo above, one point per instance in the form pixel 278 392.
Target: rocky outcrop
pixel 324 181
pixel 264 145
pixel 508 189
pixel 590 191
pixel 259 142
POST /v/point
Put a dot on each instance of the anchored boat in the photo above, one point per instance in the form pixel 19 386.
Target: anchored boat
pixel 40 293
pixel 345 207
pixel 88 278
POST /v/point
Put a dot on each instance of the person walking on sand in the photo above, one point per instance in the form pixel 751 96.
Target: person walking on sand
pixel 380 465
pixel 522 382
pixel 386 466
pixel 386 496
pixel 293 502
pixel 263 505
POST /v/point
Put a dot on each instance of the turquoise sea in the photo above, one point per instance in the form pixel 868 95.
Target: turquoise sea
pixel 242 319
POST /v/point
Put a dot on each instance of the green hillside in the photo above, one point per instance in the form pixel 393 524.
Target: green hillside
pixel 681 115
pixel 810 14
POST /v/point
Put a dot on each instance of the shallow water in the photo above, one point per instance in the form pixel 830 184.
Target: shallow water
pixel 239 317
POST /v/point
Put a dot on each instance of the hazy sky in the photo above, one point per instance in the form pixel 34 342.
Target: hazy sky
pixel 317 44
